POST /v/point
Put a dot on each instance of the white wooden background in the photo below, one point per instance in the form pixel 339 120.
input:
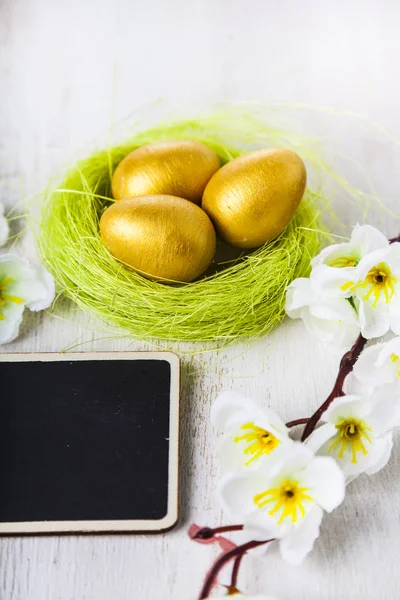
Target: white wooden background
pixel 67 69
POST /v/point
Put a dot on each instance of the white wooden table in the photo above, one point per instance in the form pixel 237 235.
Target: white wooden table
pixel 67 70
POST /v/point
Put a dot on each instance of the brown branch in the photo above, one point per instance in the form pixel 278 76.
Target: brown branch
pixel 235 571
pixel 395 239
pixel 346 366
pixel 297 422
pixel 222 561
pixel 206 533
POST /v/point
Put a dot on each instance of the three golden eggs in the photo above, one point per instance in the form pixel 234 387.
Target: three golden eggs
pixel 155 226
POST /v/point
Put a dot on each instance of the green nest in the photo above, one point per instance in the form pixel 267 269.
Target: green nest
pixel 242 298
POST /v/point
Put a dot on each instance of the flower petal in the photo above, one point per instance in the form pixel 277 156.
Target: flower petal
pixel 260 525
pixel 231 408
pixel 364 239
pixel 325 480
pixel 295 546
pixel 375 257
pixel 237 491
pixel 387 350
pixel 373 368
pixel 368 238
pixel 385 411
pixel 374 322
pixel 296 456
pixel 347 406
pixel 394 310
pixel 335 309
pixel 320 436
pixel 332 281
pixel 34 285
pixel 382 451
pixel 299 293
pixel 341 334
pixel 328 253
pixel 9 325
pixel 49 290
pixel 370 463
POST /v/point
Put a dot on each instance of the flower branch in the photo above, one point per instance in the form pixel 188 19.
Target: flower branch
pixel 297 422
pixel 235 573
pixel 219 564
pixel 395 239
pixel 347 363
pixel 279 488
pixel 206 533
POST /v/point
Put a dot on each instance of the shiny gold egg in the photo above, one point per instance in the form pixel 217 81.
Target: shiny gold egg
pixel 177 168
pixel 162 237
pixel 252 198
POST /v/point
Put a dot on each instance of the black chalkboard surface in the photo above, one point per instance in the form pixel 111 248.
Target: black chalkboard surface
pixel 88 442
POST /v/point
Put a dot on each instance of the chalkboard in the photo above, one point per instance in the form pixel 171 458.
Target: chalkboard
pixel 88 442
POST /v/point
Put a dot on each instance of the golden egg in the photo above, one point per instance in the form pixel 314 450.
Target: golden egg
pixel 162 237
pixel 253 197
pixel 177 168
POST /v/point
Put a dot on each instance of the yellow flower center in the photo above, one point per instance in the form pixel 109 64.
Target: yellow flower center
pixel 351 436
pixel 4 298
pixel 379 280
pixel 344 261
pixel 260 441
pixel 289 498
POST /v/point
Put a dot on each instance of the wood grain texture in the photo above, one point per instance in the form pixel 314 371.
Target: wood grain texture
pixel 67 70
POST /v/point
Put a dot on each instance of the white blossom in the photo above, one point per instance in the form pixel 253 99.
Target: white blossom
pixel 357 432
pixel 366 271
pixel 379 366
pixel 250 434
pixel 286 499
pixel 337 264
pixel 364 239
pixel 332 320
pixel 4 228
pixel 378 290
pixel 21 285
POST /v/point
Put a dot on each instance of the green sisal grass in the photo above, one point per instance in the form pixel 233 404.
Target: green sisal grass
pixel 243 300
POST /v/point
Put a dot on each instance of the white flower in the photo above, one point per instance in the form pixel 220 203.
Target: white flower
pixel 251 434
pixel 378 289
pixel 367 270
pixel 4 229
pixel 286 500
pixel 364 239
pixel 379 366
pixel 332 320
pixel 337 264
pixel 357 432
pixel 21 284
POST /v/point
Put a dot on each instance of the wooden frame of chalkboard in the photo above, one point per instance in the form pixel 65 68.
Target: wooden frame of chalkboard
pixel 162 521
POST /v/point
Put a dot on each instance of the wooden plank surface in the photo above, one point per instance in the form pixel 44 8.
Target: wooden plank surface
pixel 67 71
